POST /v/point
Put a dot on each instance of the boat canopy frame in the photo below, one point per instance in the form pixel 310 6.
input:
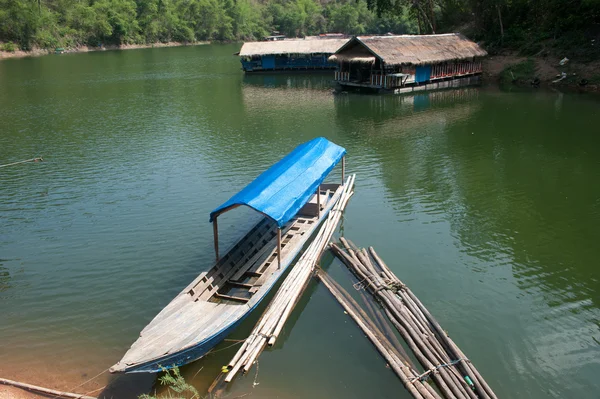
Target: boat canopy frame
pixel 283 189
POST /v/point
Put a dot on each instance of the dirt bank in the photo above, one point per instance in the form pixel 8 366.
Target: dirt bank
pixel 84 49
pixel 546 69
pixel 16 393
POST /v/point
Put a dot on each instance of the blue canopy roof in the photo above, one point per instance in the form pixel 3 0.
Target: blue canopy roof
pixel 285 187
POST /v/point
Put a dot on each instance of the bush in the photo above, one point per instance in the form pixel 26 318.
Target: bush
pixel 10 47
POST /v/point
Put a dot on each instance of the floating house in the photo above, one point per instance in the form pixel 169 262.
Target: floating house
pixel 402 64
pixel 290 55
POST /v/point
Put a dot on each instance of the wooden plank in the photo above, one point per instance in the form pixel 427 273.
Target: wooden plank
pixel 177 332
pixel 292 244
pixel 214 279
pixel 239 285
pixel 232 298
pixel 240 266
pixel 251 262
pixel 300 237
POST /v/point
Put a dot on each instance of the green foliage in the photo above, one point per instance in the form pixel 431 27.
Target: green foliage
pixel 66 23
pixel 518 73
pixel 571 28
pixel 10 47
pixel 176 383
pixel 529 26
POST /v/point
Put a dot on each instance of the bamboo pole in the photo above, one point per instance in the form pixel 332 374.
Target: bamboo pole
pixel 378 323
pixel 399 370
pixel 343 169
pixel 42 390
pixel 416 325
pixel 39 159
pixel 409 297
pixel 273 319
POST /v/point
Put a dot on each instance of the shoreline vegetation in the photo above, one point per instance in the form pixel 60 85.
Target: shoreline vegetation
pixel 37 52
pixel 536 34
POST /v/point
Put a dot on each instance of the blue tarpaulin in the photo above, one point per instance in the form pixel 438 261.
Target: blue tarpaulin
pixel 285 187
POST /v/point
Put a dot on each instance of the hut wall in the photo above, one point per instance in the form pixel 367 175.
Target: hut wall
pixel 453 69
pixel 423 73
pixel 268 62
pixel 287 62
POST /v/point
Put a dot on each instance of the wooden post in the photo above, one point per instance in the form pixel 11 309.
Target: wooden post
pixel 319 202
pixel 279 248
pixel 343 169
pixel 216 237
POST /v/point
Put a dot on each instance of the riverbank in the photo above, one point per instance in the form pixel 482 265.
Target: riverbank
pixel 36 52
pixel 7 392
pixel 510 69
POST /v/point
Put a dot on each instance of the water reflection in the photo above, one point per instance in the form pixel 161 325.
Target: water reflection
pixel 514 189
pixel 298 80
pixel 5 277
pixel 394 115
pixel 484 202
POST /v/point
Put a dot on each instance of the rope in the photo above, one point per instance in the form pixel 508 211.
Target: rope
pixel 95 390
pixel 427 374
pixel 212 352
pixel 83 383
pixel 359 285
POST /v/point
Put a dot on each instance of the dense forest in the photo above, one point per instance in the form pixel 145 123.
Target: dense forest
pixel 518 24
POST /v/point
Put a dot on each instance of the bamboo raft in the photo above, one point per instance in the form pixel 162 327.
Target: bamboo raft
pixel 452 372
pixel 273 319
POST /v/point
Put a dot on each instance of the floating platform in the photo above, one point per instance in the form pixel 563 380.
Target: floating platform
pixel 289 55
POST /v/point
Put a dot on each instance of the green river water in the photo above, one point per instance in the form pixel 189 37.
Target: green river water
pixel 485 202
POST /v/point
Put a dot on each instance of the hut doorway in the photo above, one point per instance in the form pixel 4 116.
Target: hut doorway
pixel 360 72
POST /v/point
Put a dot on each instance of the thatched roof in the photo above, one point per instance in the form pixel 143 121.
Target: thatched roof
pixel 411 49
pixel 352 58
pixel 356 53
pixel 292 46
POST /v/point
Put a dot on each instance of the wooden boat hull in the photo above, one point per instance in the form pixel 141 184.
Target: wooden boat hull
pixel 188 355
pixel 158 346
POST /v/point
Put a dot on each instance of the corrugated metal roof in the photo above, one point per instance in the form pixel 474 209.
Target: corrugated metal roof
pixel 294 46
pixel 416 49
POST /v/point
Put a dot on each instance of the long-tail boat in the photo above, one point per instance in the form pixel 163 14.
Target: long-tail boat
pixel 293 200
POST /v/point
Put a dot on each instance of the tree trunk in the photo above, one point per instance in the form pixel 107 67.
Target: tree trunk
pixel 432 16
pixel 418 18
pixel 501 26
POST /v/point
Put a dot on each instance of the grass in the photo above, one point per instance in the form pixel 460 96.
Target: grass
pixel 518 73
pixel 176 384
